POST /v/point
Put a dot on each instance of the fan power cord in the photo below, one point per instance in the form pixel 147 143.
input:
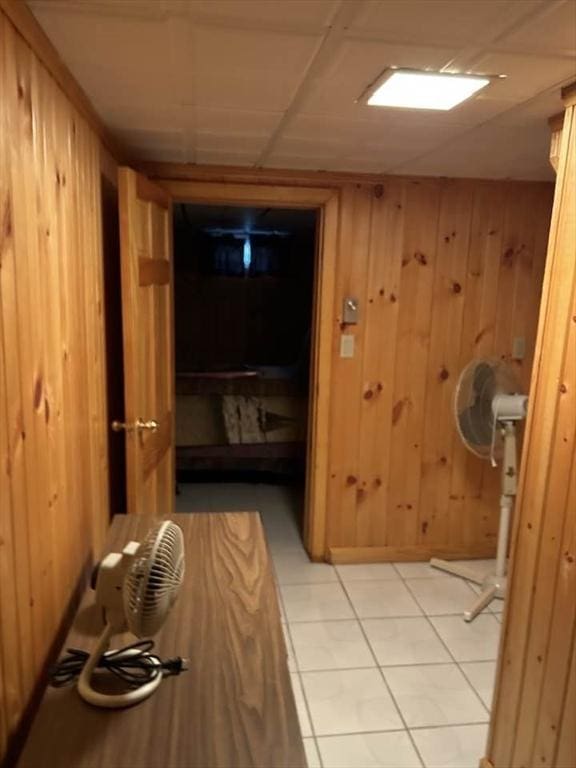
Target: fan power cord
pixel 134 664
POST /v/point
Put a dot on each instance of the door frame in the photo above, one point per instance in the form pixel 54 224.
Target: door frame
pixel 325 201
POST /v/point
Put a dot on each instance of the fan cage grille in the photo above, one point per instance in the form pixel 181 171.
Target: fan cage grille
pixel 153 579
pixel 479 382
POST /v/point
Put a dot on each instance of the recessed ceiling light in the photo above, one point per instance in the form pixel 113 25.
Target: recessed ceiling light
pixel 412 89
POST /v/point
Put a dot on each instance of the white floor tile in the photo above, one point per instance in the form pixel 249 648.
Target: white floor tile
pixel 481 675
pixel 441 595
pixel 496 606
pixel 235 497
pixel 404 641
pixel 376 599
pixel 434 695
pixel 282 541
pixel 367 572
pixel 481 567
pixel 194 497
pixel 459 747
pixel 330 645
pixel 312 756
pixel 304 720
pixel 315 602
pixel 295 567
pixel 349 701
pixel 476 640
pixel 417 570
pixel 369 750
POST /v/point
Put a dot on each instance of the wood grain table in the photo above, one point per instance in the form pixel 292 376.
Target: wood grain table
pixel 234 708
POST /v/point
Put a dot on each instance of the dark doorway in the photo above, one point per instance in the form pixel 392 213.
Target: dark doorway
pixel 243 283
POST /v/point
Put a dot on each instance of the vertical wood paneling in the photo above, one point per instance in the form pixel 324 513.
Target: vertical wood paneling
pixel 345 485
pixel 446 271
pixel 381 312
pixel 533 721
pixel 53 454
pixel 419 261
pixel 448 301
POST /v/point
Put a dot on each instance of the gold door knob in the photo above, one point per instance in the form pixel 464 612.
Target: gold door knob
pixel 140 425
pixel 151 425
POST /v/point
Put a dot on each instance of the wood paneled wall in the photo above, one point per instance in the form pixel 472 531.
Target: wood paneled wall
pixel 446 271
pixel 53 445
pixel 534 713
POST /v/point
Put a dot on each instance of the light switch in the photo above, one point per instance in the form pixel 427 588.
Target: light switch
pixel 350 311
pixel 519 348
pixel 347 345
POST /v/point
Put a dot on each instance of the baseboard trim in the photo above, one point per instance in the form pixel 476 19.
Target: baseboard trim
pixel 345 555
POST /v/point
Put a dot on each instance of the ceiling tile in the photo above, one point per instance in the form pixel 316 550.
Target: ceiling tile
pixel 555 32
pixel 537 111
pixel 244 70
pixel 525 75
pixel 319 148
pixel 445 22
pixel 149 145
pixel 229 143
pixel 114 59
pixel 212 157
pixel 209 80
pixel 243 121
pixel 491 151
pixel 147 117
pixel 233 90
pixel 250 51
pixel 143 9
pixel 279 160
pixel 393 130
pixel 302 13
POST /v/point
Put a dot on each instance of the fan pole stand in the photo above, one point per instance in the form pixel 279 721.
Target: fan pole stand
pixel 494 585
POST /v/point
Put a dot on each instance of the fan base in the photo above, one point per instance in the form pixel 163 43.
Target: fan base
pixel 493 586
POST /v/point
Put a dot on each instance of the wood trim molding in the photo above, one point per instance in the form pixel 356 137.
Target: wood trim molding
pixel 24 21
pixel 170 173
pixel 556 121
pixel 152 193
pixel 569 94
pixel 326 201
pixel 344 555
pixel 245 194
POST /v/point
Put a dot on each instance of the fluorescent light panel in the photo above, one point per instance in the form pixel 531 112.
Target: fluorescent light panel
pixel 425 90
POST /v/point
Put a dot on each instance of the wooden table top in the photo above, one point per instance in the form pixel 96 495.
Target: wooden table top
pixel 233 708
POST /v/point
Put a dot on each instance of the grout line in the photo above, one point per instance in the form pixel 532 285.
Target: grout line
pixel 455 661
pixel 488 661
pixel 381 668
pixel 448 662
pixel 383 677
pixel 403 730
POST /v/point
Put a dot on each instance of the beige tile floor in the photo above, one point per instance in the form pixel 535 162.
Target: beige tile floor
pixel 385 672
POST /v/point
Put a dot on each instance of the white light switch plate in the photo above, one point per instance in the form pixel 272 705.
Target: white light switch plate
pixel 519 348
pixel 346 345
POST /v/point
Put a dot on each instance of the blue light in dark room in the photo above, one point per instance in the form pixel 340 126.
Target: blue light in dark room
pixel 247 256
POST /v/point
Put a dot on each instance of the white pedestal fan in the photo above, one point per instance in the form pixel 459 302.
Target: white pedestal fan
pixel 487 408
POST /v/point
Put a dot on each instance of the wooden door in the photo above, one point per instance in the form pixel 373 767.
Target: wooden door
pixel 147 283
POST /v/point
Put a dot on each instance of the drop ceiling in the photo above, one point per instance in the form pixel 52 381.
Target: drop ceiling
pixel 275 83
